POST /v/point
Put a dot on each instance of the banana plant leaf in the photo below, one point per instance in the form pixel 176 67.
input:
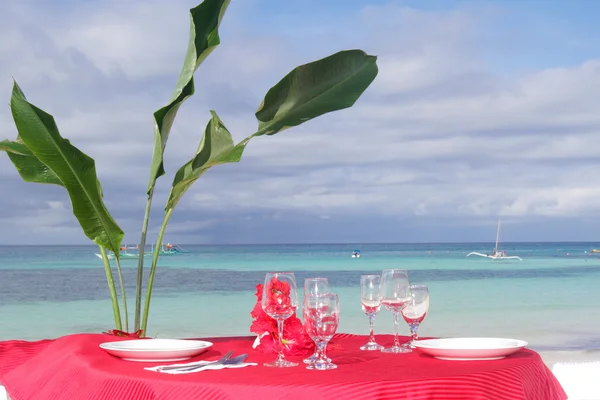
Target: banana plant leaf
pixel 310 90
pixel 204 38
pixel 77 171
pixel 216 147
pixel 27 164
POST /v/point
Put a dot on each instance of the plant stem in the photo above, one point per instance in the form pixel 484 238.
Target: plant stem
pixel 153 268
pixel 123 294
pixel 111 288
pixel 140 270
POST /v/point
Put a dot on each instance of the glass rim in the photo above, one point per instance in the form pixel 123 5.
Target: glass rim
pixel 280 272
pixel 318 278
pixel 370 276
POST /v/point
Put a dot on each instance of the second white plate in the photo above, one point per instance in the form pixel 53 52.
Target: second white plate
pixel 470 348
pixel 156 350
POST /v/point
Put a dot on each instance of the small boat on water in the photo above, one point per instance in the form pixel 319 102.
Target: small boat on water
pixel 496 254
pixel 595 251
pixel 133 252
pixel 356 254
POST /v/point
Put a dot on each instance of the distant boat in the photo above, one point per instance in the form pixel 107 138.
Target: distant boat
pixel 595 251
pixel 133 252
pixel 496 254
pixel 356 254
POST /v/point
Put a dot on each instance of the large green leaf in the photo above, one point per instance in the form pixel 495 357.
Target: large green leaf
pixel 313 89
pixel 204 38
pixel 27 164
pixel 310 90
pixel 74 169
pixel 216 147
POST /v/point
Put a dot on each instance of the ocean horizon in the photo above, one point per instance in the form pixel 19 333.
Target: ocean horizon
pixel 547 299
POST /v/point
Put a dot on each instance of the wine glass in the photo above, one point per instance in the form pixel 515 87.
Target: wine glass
pixel 321 323
pixel 279 301
pixel 395 295
pixel 371 302
pixel 313 286
pixel 416 310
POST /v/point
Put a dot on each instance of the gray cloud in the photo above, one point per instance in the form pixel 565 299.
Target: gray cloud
pixel 441 141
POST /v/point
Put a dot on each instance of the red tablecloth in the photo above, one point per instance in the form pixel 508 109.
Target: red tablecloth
pixel 74 367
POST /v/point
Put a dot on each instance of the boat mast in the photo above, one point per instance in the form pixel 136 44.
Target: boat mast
pixel 498 234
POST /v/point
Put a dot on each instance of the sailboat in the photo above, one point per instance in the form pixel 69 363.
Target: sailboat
pixel 496 254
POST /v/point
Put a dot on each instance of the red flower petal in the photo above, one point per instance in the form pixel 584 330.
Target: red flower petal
pixel 116 332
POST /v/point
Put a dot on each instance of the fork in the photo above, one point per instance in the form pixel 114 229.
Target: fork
pixel 197 364
pixel 232 361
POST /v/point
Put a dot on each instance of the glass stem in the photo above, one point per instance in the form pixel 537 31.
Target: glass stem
pixel 322 350
pixel 371 331
pixel 396 339
pixel 280 334
pixel 318 352
pixel 413 332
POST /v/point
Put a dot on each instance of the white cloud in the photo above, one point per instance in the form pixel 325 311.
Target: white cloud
pixel 439 133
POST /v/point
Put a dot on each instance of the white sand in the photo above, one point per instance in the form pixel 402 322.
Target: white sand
pixel 552 357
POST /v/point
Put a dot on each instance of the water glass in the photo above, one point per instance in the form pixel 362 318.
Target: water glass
pixel 416 310
pixel 321 324
pixel 279 301
pixel 313 286
pixel 395 295
pixel 371 303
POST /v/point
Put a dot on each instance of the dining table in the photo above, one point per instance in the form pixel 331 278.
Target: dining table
pixel 75 367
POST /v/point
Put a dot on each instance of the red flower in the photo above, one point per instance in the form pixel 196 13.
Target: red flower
pixel 278 297
pixel 295 339
pixel 115 332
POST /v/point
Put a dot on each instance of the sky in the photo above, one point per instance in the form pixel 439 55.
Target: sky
pixel 481 110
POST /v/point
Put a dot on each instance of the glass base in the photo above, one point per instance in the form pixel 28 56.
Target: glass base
pixel 281 364
pixel 396 350
pixel 312 359
pixel 409 345
pixel 322 366
pixel 371 346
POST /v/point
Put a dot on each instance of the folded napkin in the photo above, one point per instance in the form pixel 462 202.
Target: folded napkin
pixel 200 366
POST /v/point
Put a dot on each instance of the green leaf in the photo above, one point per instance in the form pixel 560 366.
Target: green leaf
pixel 27 164
pixel 216 147
pixel 74 169
pixel 310 90
pixel 204 38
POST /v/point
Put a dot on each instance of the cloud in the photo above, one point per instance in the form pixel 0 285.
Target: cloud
pixel 442 137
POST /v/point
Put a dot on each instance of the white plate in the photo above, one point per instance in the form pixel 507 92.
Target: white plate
pixel 470 348
pixel 156 350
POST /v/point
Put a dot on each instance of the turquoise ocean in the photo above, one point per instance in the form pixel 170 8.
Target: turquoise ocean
pixel 551 298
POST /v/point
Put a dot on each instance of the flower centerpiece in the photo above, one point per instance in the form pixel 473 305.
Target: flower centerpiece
pixel 295 339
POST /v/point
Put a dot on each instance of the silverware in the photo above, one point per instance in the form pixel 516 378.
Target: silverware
pixel 233 361
pixel 197 364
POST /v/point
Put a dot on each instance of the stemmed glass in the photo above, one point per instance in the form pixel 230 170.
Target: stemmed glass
pixel 395 295
pixel 415 311
pixel 321 324
pixel 313 286
pixel 279 301
pixel 371 302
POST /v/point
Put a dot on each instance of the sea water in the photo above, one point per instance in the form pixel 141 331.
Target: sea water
pixel 550 299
